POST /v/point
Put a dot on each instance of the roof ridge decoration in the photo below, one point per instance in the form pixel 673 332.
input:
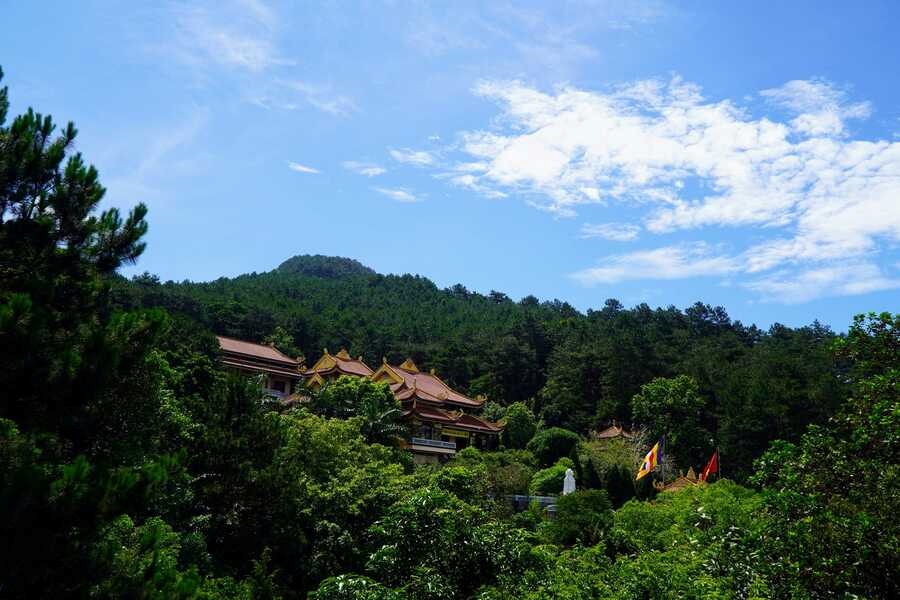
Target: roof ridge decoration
pixel 409 365
pixel 343 354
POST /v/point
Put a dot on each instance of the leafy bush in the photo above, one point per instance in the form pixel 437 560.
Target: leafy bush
pixel 520 426
pixel 583 516
pixel 549 481
pixel 549 445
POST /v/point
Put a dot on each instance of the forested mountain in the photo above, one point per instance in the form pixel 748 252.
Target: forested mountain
pixel 574 370
pixel 133 466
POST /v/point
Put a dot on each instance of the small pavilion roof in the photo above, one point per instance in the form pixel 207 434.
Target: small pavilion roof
pixel 681 482
pixel 613 431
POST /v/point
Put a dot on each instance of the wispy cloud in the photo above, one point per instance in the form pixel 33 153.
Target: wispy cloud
pixel 421 158
pixel 398 194
pixel 295 166
pixel 845 279
pixel 238 35
pixel 617 232
pixel 672 262
pixel 297 95
pixel 687 163
pixel 364 168
pixel 168 153
pixel 238 42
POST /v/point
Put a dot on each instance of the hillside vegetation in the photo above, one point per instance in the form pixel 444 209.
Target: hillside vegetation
pixel 133 466
pixel 574 370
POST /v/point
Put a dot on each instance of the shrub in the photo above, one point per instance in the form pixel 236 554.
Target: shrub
pixel 549 481
pixel 520 426
pixel 583 516
pixel 549 445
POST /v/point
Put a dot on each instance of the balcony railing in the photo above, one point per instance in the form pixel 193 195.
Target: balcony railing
pixel 433 443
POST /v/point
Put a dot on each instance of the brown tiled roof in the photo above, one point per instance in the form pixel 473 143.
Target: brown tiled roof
pixel 259 357
pixel 457 419
pixel 250 349
pixel 342 363
pixel 256 365
pixel 428 387
pixel 613 431
pixel 679 483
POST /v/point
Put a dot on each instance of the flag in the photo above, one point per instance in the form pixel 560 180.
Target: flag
pixel 711 467
pixel 649 461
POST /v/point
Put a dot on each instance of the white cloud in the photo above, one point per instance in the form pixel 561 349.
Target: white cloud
pixel 420 158
pixel 617 232
pixel 398 194
pixel 821 108
pixel 810 191
pixel 847 279
pixel 364 168
pixel 672 262
pixel 294 166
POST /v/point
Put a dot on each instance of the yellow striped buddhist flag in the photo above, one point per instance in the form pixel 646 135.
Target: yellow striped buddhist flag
pixel 649 461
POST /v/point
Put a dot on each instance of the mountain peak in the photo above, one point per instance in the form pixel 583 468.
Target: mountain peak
pixel 325 267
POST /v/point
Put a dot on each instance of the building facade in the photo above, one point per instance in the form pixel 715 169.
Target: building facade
pixel 439 419
pixel 281 373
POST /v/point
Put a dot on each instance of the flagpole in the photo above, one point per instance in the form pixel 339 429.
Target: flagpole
pixel 718 464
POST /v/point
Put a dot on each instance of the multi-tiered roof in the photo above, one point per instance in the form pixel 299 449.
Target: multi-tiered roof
pixel 335 365
pixel 426 396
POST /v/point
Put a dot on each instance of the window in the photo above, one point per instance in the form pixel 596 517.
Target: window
pixel 278 386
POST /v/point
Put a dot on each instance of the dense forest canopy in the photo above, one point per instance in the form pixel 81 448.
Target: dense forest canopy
pixel 574 370
pixel 132 465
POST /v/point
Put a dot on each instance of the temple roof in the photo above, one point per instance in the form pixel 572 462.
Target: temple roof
pixel 341 362
pixel 613 431
pixel 262 351
pixel 408 382
pixel 680 482
pixel 457 419
pixel 259 357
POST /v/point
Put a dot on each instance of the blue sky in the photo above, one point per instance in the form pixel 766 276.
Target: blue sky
pixel 743 155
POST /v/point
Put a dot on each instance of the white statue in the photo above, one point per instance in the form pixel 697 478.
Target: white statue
pixel 569 482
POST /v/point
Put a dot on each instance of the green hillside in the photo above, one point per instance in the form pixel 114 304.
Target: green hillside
pixel 574 370
pixel 133 466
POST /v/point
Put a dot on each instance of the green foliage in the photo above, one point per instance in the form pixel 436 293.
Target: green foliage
pixel 674 408
pixel 326 267
pixel 610 465
pixel 549 481
pixel 354 587
pixel 284 343
pixel 143 562
pixel 372 403
pixel 832 496
pixel 583 517
pixel 549 445
pixel 437 545
pixel 505 472
pixel 520 426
